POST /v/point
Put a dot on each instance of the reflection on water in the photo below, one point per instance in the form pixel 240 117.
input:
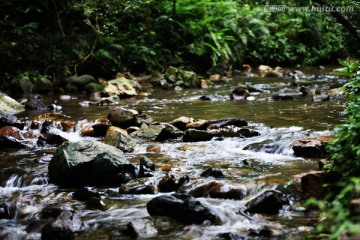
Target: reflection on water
pixel 257 163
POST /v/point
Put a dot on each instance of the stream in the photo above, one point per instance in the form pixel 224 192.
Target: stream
pixel 257 163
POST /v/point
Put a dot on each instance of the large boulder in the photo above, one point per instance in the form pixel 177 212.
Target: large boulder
pixel 268 202
pixel 311 147
pixel 9 105
pixel 89 163
pixel 215 189
pixel 310 184
pixel 183 208
pixel 35 102
pixel 121 87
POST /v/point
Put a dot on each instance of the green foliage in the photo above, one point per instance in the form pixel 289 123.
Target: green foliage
pixel 344 149
pixel 61 38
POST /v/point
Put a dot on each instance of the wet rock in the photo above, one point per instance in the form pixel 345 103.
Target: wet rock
pixel 50 212
pixel 169 133
pixel 80 81
pixel 93 88
pixel 310 184
pixel 147 167
pixel 9 106
pixel 145 188
pixel 268 202
pixel 120 139
pixel 63 227
pixel 121 87
pixel 95 203
pixel 205 98
pixel 183 208
pixel 123 118
pixel 10 142
pixel 148 132
pixel 84 194
pixel 237 122
pixel 171 184
pixel 89 163
pixel 193 135
pixel 181 122
pixel 142 228
pixel 189 78
pixel 43 85
pixel 199 125
pixel 51 139
pixel 215 189
pixel 229 236
pixel 11 132
pixel 282 97
pixel 95 130
pixel 10 120
pixel 212 172
pixel 240 92
pixel 311 147
pixel 34 102
pixel 247 133
pixel 264 231
pixel 320 97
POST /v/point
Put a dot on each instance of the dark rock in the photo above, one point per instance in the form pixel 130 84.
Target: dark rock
pixel 170 184
pixel 10 142
pixel 268 202
pixel 311 184
pixel 123 118
pixel 213 172
pixel 194 135
pixel 84 194
pixel 34 102
pixel 147 167
pixel 50 212
pixel 237 122
pixel 205 98
pixel 49 138
pixel 95 203
pixel 63 227
pixel 93 87
pixel 282 97
pixel 181 122
pixel 228 236
pixel 241 92
pixel 311 147
pixel 10 120
pixel 169 133
pixel 218 190
pixel 89 163
pixel 141 228
pixel 140 189
pixel 80 81
pixel 199 125
pixel 183 208
pixel 264 231
pixel 246 133
pixel 120 139
pixel 95 130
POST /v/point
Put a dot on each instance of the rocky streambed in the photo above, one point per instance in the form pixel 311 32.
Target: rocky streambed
pixel 190 164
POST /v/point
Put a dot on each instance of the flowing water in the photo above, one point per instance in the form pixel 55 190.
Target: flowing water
pixel 256 163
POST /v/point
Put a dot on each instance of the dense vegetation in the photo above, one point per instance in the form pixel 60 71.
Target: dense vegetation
pixel 63 38
pixel 338 216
